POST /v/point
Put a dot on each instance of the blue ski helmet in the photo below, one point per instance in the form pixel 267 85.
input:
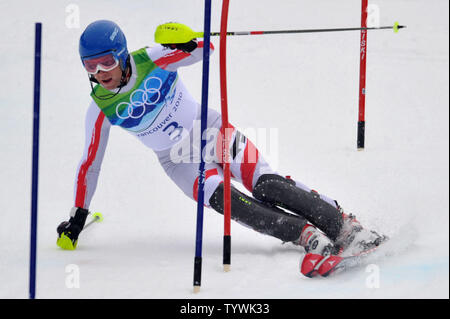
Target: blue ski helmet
pixel 102 37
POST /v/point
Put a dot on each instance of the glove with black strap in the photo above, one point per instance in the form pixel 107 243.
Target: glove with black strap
pixel 68 231
pixel 186 47
pixel 174 35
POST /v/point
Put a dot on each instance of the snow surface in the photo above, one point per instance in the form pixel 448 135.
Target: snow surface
pixel 306 86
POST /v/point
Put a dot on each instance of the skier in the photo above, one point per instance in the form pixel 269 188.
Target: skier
pixel 141 91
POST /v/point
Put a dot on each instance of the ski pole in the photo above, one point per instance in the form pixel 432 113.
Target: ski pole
pixel 96 218
pixel 394 27
pixel 178 33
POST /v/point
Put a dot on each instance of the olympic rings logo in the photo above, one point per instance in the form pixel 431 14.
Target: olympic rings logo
pixel 141 98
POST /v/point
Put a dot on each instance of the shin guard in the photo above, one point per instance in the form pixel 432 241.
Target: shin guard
pixel 261 217
pixel 277 190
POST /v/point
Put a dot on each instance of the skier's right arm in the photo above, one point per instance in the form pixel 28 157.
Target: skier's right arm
pixel 97 128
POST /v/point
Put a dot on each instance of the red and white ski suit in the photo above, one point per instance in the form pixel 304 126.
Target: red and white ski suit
pixel 182 167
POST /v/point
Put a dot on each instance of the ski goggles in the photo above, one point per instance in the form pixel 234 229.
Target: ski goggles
pixel 104 63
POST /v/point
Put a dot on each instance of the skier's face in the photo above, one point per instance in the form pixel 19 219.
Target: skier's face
pixel 109 79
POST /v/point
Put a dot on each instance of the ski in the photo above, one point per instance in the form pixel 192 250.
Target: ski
pixel 314 265
pixel 333 263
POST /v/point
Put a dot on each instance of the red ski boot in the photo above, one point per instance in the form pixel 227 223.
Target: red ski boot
pixel 317 247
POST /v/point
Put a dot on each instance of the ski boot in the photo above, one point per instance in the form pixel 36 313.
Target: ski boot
pixel 355 240
pixel 352 243
pixel 318 247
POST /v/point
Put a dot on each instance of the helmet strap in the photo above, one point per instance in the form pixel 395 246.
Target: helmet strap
pixel 92 78
pixel 126 73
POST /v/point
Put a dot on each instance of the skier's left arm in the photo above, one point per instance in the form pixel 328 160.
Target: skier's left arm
pixel 97 129
pixel 172 56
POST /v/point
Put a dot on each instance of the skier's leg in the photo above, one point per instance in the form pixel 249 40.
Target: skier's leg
pixel 345 231
pixel 258 216
pixel 261 217
pixel 249 167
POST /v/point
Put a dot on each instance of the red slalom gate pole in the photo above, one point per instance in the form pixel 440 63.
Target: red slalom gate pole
pixel 226 130
pixel 362 77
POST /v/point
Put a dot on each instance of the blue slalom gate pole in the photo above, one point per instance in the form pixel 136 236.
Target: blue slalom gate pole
pixel 201 173
pixel 35 160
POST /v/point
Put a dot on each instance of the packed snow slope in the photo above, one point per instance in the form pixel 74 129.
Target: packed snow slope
pixel 303 87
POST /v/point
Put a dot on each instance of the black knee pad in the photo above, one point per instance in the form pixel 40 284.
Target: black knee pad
pixel 268 188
